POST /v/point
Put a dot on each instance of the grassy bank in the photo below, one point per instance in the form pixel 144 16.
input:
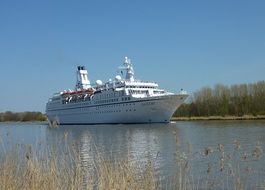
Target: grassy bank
pixel 203 118
pixel 22 116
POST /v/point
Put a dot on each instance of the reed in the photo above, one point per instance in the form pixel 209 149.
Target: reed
pixel 23 167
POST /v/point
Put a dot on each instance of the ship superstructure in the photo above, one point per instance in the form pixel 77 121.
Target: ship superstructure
pixel 121 100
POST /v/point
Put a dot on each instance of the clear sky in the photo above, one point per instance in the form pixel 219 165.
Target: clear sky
pixel 179 44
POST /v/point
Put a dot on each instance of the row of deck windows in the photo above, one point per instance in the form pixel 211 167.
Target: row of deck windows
pixel 99 107
pixel 109 95
pixel 138 91
pixel 140 87
pixel 115 105
pixel 106 111
pixel 111 111
pixel 106 101
pixel 126 98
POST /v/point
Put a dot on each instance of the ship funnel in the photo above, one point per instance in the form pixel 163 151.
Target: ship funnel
pixel 82 82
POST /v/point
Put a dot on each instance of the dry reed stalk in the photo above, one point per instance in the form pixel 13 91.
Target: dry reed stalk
pixel 27 172
pixel 22 169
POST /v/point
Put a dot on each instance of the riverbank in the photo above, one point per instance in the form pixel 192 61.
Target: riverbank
pixel 27 116
pixel 204 118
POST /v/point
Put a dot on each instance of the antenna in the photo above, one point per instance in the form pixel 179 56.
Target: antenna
pixel 128 68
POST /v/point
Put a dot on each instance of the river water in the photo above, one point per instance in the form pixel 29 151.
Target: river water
pixel 214 154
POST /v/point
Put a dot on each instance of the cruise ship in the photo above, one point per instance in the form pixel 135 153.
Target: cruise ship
pixel 120 100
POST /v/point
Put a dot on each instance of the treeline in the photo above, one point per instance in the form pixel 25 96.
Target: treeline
pixel 22 116
pixel 235 100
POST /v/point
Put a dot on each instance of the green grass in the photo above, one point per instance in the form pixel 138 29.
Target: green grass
pixel 244 117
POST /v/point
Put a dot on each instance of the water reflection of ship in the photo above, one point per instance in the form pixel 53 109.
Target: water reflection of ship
pixel 140 144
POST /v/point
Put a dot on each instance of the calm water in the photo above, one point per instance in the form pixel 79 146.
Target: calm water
pixel 196 145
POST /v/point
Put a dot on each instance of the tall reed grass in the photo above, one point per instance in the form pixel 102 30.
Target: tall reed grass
pixel 23 167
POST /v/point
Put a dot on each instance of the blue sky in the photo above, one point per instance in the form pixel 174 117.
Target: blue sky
pixel 179 44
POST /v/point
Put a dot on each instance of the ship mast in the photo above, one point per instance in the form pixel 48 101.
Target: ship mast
pixel 128 68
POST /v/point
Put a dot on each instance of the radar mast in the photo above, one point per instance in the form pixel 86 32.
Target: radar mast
pixel 128 68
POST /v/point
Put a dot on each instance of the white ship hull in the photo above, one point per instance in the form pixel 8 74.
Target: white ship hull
pixel 138 110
